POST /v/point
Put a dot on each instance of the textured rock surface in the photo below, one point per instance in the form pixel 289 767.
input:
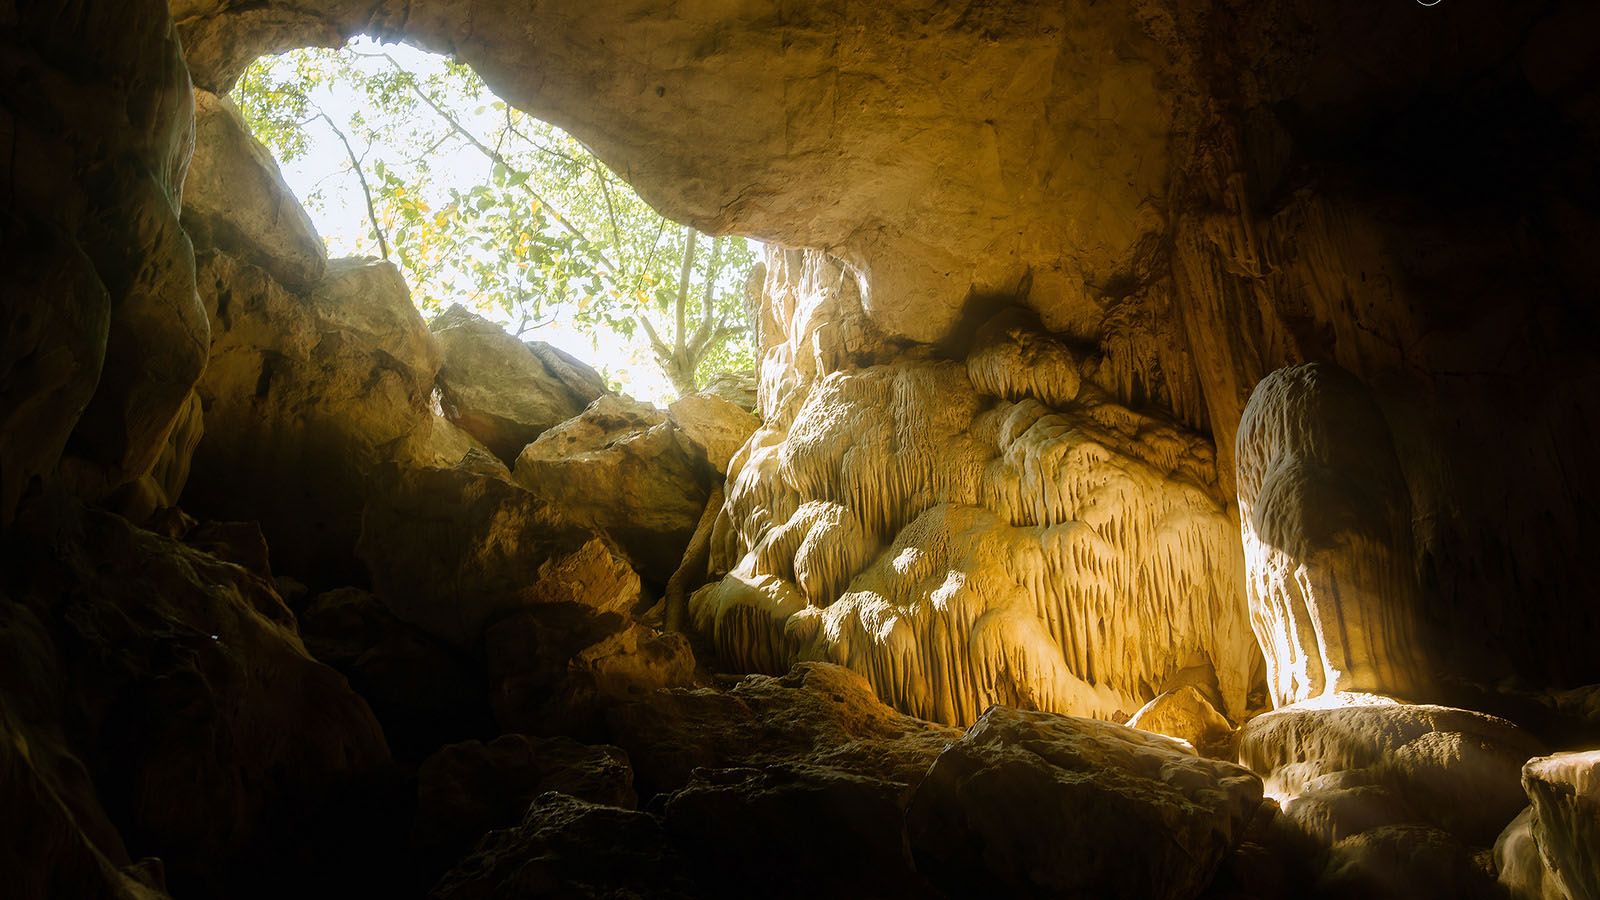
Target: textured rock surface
pixel 424 692
pixel 498 389
pixel 566 847
pixel 1342 771
pixel 452 551
pixel 1404 862
pixel 202 723
pixel 1032 804
pixel 467 789
pixel 103 334
pixel 736 770
pixel 718 426
pixel 943 530
pixel 1565 789
pixel 234 199
pixel 1326 524
pixel 622 468
pixel 305 397
pixel 1520 867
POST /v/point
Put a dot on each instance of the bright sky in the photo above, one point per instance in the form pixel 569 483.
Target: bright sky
pixel 338 208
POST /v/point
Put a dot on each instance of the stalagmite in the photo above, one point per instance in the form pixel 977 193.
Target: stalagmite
pixel 1326 524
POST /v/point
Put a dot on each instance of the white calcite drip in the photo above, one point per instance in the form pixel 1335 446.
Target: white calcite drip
pixel 962 533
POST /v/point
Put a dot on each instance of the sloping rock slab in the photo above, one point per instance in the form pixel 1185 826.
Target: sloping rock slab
pixel 1032 804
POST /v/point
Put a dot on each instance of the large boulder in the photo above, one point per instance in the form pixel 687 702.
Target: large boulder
pixel 1341 771
pixel 235 200
pixel 1565 790
pixel 623 469
pixel 716 425
pixel 305 397
pixel 545 607
pixel 501 391
pixel 1033 804
pixel 730 770
pixel 1186 714
pixel 1404 862
pixel 453 551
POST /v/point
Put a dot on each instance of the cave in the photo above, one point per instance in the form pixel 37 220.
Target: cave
pixel 1170 469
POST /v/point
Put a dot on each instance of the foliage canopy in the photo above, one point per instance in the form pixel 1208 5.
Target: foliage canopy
pixel 481 204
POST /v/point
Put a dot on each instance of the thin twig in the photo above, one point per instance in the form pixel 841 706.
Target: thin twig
pixel 366 190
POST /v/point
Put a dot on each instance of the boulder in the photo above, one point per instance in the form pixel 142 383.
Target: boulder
pixel 1339 771
pixel 1033 804
pixel 738 388
pixel 305 398
pixel 623 469
pixel 466 789
pixel 234 199
pixel 498 389
pixel 818 713
pixel 1185 713
pixel 555 672
pixel 582 381
pixel 1404 862
pixel 716 425
pixel 451 551
pixel 734 771
pixel 1565 790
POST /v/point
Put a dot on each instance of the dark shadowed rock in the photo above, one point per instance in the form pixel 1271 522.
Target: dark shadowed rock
pixel 466 789
pixel 570 848
pixel 203 723
pixel 1032 804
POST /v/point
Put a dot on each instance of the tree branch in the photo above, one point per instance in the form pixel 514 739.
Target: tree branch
pixel 708 317
pixel 689 235
pixel 656 344
pixel 495 156
pixel 372 212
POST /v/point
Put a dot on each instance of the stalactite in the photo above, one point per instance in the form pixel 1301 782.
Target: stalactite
pixel 993 530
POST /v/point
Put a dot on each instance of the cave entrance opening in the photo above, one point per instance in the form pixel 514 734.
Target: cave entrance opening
pixel 407 155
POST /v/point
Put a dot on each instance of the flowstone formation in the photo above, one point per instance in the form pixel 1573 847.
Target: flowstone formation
pixel 993 529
